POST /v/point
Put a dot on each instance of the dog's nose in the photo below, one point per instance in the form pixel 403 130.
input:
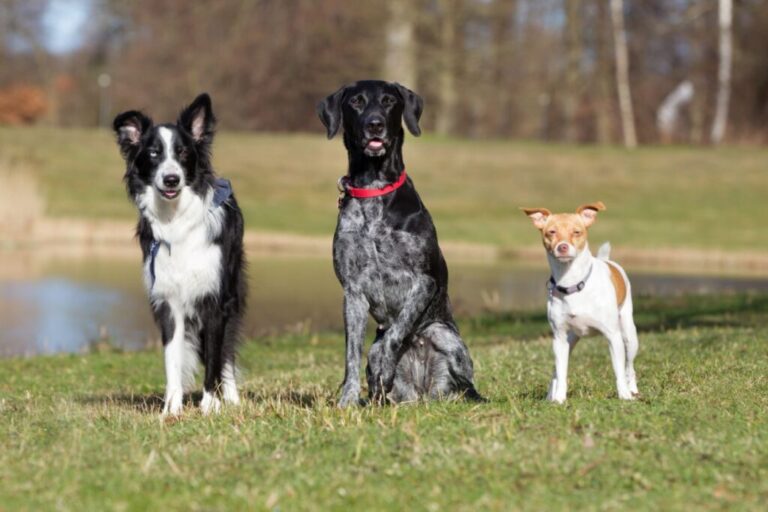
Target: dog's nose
pixel 562 248
pixel 171 180
pixel 375 126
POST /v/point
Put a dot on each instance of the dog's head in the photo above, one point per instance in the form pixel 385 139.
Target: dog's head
pixel 564 234
pixel 372 113
pixel 164 159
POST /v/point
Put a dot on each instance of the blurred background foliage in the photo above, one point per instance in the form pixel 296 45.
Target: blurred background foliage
pixel 529 69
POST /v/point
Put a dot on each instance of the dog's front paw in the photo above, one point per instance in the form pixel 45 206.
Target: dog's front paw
pixel 349 396
pixel 626 395
pixel 173 404
pixel 556 394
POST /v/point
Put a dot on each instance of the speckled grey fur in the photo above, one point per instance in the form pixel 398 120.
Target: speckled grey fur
pixel 388 261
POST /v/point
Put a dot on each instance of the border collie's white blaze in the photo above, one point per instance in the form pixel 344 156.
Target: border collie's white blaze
pixel 190 230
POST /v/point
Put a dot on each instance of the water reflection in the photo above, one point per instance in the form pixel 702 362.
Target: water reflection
pixel 61 315
pixel 65 306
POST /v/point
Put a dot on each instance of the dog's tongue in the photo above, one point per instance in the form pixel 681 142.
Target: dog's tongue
pixel 375 144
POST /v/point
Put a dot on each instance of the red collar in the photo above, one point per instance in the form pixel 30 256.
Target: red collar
pixel 344 188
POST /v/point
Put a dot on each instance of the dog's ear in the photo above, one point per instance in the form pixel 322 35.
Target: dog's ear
pixel 589 211
pixel 414 105
pixel 539 216
pixel 329 112
pixel 198 120
pixel 130 127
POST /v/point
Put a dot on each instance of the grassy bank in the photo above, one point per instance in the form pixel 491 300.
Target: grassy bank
pixel 82 432
pixel 657 197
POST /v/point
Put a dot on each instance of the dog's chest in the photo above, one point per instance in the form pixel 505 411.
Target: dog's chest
pixel 589 311
pixel 187 263
pixel 375 259
pixel 579 313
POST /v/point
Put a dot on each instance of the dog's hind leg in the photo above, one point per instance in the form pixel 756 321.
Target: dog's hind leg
pixel 631 343
pixel 573 340
pixel 416 302
pixel 410 374
pixel 450 370
pixel 373 368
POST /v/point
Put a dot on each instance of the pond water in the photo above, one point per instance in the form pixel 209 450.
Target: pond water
pixel 66 306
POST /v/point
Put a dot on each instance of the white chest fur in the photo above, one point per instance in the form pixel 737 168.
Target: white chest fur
pixel 589 311
pixel 187 265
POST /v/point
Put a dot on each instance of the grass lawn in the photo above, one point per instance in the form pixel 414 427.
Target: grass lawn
pixel 656 197
pixel 81 432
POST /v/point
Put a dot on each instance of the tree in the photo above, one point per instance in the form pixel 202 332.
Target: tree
pixel 622 74
pixel 725 17
pixel 445 122
pixel 573 51
pixel 400 58
pixel 604 79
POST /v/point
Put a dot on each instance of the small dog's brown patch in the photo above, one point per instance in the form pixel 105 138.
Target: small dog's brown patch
pixel 618 284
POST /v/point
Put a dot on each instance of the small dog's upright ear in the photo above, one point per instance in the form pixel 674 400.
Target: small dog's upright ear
pixel 198 120
pixel 589 211
pixel 414 106
pixel 329 112
pixel 539 216
pixel 130 127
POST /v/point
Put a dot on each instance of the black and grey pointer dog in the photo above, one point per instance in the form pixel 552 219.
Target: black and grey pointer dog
pixel 386 256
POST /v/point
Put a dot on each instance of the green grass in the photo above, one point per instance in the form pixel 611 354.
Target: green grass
pixel 81 432
pixel 656 197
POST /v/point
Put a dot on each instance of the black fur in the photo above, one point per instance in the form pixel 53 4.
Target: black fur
pixel 387 258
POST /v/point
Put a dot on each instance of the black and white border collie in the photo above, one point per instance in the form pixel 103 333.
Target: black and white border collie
pixel 191 234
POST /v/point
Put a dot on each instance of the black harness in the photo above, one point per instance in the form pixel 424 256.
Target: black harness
pixel 222 191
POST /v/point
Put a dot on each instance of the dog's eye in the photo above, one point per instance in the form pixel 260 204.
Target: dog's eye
pixel 153 153
pixel 357 101
pixel 577 233
pixel 387 101
pixel 551 232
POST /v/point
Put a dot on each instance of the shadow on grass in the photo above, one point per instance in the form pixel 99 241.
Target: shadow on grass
pixel 143 402
pixel 304 399
pixel 535 394
pixel 652 314
pixel 153 402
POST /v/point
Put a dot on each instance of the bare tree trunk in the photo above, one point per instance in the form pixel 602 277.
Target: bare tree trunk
pixel 445 121
pixel 725 18
pixel 604 79
pixel 622 74
pixel 400 58
pixel 573 50
pixel 700 76
pixel 498 105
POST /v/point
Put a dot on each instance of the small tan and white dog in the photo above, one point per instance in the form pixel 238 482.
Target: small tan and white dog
pixel 587 294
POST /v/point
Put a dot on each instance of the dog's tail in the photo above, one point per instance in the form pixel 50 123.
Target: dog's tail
pixel 604 252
